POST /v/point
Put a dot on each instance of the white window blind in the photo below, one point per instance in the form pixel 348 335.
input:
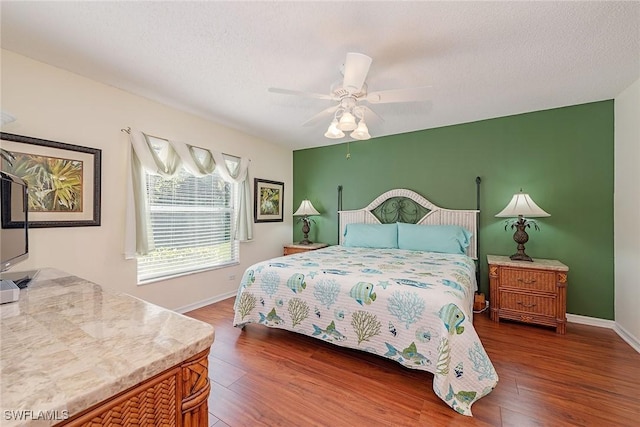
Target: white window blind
pixel 192 220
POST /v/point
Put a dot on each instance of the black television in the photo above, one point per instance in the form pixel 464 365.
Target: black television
pixel 14 212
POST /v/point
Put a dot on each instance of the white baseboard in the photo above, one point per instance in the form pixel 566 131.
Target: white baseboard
pixel 591 321
pixel 604 323
pixel 625 335
pixel 207 301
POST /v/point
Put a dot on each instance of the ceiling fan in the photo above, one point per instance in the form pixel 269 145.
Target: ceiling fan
pixel 350 96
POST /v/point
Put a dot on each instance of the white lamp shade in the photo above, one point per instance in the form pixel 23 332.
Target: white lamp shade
pixel 333 132
pixel 347 122
pixel 306 209
pixel 521 204
pixel 361 132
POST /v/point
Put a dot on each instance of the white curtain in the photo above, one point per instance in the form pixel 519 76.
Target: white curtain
pixel 166 159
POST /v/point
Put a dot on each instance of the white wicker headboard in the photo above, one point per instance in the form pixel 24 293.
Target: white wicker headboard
pixel 435 216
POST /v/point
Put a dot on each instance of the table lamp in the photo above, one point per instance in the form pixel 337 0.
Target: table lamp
pixel 521 207
pixel 306 209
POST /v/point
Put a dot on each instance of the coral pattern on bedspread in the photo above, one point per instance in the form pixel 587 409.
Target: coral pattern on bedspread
pixel 409 306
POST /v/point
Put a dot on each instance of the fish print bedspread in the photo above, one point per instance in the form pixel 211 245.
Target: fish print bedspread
pixel 409 306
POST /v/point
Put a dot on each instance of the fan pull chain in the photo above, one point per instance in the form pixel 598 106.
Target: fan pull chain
pixel 348 151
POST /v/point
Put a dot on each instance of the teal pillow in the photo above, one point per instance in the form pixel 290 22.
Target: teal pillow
pixel 371 235
pixel 449 239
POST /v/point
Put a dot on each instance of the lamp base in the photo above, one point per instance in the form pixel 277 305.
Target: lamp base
pixel 520 257
pixel 520 237
pixel 305 231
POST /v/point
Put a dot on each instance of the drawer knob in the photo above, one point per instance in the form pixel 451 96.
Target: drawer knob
pixel 526 305
pixel 527 282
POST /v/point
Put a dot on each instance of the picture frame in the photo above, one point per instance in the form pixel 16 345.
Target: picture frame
pixel 268 200
pixel 64 181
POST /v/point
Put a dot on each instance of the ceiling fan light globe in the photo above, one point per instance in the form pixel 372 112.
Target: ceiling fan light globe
pixel 361 132
pixel 360 136
pixel 347 122
pixel 333 132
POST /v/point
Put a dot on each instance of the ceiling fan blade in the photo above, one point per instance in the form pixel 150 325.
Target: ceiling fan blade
pixel 320 116
pixel 299 93
pixel 356 68
pixel 414 94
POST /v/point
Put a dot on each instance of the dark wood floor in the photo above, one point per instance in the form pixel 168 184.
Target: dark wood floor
pixel 263 376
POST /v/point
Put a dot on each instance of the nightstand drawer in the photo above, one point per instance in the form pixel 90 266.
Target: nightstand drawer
pixel 528 279
pixel 531 292
pixel 534 304
pixel 297 248
pixel 291 251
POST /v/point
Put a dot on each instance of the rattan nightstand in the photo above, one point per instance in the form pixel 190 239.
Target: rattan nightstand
pixel 295 248
pixel 531 292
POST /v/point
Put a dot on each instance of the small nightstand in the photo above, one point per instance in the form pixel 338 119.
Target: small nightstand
pixel 296 248
pixel 531 292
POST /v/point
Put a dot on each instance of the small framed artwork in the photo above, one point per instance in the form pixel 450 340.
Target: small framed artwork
pixel 63 179
pixel 268 200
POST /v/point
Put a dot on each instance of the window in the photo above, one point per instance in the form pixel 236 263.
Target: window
pixel 192 221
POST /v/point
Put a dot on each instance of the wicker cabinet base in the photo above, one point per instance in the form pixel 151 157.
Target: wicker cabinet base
pixel 177 397
pixel 531 292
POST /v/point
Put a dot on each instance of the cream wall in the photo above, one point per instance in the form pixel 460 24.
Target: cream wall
pixel 50 103
pixel 627 213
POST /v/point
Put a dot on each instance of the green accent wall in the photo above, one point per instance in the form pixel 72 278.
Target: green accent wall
pixel 562 157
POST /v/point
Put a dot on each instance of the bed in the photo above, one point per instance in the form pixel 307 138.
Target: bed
pixel 399 285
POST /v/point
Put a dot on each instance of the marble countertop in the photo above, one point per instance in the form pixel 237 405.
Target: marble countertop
pixel 537 263
pixel 299 245
pixel 67 344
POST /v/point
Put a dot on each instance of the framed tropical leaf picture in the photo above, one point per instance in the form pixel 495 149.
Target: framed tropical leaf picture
pixel 63 180
pixel 268 200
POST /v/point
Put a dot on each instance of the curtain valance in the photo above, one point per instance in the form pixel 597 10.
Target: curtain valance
pixel 166 158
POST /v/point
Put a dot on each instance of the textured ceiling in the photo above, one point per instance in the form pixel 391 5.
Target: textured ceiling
pixel 217 59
